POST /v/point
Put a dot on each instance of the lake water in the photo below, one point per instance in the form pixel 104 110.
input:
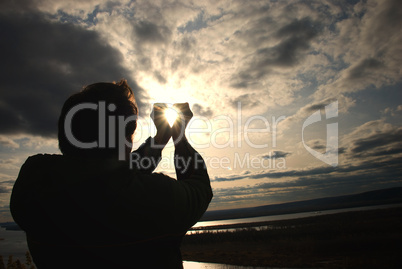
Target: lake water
pixel 204 265
pixel 14 242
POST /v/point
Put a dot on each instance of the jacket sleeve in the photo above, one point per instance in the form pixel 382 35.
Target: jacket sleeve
pixel 20 195
pixel 193 192
pixel 146 158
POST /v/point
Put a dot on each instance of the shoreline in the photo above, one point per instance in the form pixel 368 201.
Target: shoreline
pixel 357 239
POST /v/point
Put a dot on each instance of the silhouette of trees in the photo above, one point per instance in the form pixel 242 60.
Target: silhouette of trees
pixel 28 260
pixel 11 264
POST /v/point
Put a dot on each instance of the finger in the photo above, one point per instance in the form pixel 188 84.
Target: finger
pixel 184 108
pixel 160 105
pixel 158 110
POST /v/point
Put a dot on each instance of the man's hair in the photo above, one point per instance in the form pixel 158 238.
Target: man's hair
pixel 119 101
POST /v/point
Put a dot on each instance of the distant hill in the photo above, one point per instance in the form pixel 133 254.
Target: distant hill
pixel 377 197
pixel 11 226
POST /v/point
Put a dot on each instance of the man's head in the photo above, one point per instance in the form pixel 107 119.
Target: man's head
pixel 93 120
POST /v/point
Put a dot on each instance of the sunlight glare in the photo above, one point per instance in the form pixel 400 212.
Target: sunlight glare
pixel 171 115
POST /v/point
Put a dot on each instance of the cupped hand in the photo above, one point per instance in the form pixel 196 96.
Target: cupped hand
pixel 179 126
pixel 163 129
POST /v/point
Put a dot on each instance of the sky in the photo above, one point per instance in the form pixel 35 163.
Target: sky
pixel 292 100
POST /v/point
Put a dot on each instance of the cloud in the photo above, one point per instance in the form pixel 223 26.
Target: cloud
pixel 322 171
pixel 148 32
pixel 43 62
pixel 363 68
pixel 362 147
pixel 368 41
pixel 4 190
pixel 10 164
pixel 276 154
pixel 373 139
pixel 161 79
pixel 319 105
pixel 17 5
pixel 202 111
pixel 344 103
pixel 6 186
pixel 8 142
pixel 247 101
pixel 294 40
pixel 260 47
pixel 317 144
pixel 198 23
pixel 76 8
pixel 320 145
pixel 296 184
pixel 392 111
pixel 314 186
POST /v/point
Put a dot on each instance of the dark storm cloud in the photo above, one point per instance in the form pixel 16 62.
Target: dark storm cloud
pixel 44 62
pixel 295 39
pixel 17 6
pixel 202 111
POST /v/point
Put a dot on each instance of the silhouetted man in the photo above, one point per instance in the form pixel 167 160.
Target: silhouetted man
pixel 88 208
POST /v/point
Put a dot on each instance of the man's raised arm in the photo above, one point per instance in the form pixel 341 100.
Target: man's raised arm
pixel 147 157
pixel 195 193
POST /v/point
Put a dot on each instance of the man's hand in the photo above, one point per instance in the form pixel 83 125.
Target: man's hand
pixel 181 122
pixel 163 130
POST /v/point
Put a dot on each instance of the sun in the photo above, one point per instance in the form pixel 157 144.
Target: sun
pixel 171 115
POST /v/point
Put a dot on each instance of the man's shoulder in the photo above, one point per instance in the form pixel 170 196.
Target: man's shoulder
pixel 40 158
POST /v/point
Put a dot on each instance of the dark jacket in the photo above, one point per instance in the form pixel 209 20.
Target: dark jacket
pixel 99 213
